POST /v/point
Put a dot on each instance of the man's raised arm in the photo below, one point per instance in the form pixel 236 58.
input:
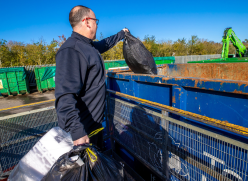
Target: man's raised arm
pixel 107 43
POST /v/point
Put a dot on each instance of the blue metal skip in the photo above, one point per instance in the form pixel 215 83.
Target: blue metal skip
pixel 202 151
pixel 218 91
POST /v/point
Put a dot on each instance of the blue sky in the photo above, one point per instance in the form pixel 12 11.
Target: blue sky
pixel 28 20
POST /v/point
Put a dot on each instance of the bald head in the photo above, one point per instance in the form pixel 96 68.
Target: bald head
pixel 77 14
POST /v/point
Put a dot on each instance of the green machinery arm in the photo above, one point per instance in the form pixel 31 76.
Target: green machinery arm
pixel 229 35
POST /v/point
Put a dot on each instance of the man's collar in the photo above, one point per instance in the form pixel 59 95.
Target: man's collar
pixel 81 37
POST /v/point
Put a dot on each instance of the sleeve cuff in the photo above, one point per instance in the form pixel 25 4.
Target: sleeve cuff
pixel 77 133
pixel 122 34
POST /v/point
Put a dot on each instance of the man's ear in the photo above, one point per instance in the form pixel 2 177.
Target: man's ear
pixel 87 23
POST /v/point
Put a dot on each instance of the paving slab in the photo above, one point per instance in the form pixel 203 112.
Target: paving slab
pixel 12 101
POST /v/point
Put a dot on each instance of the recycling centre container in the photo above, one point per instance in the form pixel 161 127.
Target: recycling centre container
pixel 45 78
pixel 164 60
pixel 13 81
pixel 189 122
pixel 216 90
pixel 114 63
pixel 122 63
pixel 222 60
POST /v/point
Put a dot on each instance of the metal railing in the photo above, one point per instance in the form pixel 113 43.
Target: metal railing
pixel 185 59
pixel 20 132
pixel 172 149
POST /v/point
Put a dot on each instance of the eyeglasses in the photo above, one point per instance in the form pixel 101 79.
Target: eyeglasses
pixel 97 20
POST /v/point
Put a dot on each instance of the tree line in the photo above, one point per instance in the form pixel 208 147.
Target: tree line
pixel 14 53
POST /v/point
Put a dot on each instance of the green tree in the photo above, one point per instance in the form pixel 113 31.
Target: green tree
pixel 50 52
pixel 245 41
pixel 180 47
pixel 61 40
pixel 36 53
pixel 192 44
pixel 165 48
pixel 18 54
pixel 4 53
pixel 151 45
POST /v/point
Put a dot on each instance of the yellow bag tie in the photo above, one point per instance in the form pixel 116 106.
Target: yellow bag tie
pixel 89 151
pixel 95 132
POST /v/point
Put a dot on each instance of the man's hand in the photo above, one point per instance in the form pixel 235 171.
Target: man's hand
pixel 125 30
pixel 82 140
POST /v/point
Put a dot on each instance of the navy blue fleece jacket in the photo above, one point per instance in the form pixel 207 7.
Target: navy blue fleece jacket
pixel 80 83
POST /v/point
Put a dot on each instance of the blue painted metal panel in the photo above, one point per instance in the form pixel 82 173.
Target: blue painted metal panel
pixel 156 93
pixel 221 99
pixel 220 105
pixel 120 85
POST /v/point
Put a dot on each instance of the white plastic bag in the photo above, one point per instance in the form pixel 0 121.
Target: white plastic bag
pixel 39 160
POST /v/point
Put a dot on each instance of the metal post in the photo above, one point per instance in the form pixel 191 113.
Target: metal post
pixel 110 124
pixel 106 115
pixel 165 140
pixel 18 92
pixel 39 79
pixel 7 83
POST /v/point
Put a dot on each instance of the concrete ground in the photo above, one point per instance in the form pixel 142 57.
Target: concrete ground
pixel 18 100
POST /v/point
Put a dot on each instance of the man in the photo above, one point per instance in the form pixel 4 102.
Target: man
pixel 80 78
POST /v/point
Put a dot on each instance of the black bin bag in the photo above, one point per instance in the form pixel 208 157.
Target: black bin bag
pixel 85 163
pixel 137 57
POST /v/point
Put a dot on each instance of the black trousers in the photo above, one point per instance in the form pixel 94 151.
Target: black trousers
pixel 97 140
